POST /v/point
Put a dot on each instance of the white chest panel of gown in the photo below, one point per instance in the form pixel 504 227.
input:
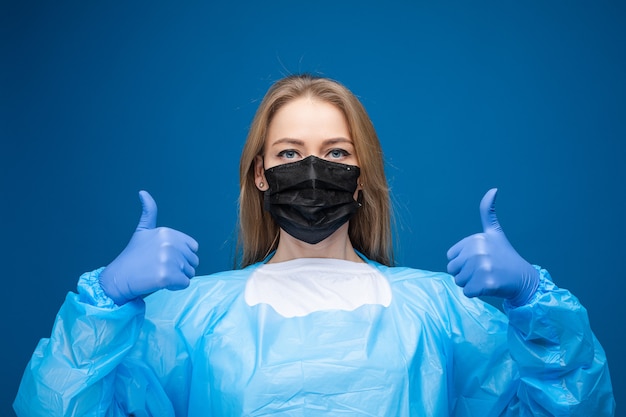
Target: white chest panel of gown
pixel 303 286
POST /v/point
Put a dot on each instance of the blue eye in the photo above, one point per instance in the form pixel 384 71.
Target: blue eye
pixel 287 154
pixel 338 153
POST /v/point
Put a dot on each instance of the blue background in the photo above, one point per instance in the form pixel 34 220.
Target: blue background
pixel 99 100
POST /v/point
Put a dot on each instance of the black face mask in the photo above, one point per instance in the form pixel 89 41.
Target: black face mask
pixel 311 198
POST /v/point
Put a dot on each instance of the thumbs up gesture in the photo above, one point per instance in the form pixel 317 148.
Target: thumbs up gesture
pixel 486 263
pixel 155 258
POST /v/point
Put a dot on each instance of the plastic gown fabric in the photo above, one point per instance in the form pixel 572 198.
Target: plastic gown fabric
pixel 426 351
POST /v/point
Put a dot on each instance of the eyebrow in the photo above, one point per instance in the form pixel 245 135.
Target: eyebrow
pixel 300 142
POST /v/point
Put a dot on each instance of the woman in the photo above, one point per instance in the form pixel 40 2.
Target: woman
pixel 318 321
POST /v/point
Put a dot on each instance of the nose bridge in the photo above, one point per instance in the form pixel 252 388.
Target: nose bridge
pixel 311 166
pixel 312 173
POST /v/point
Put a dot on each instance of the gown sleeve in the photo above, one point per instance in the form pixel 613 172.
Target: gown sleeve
pixel 91 364
pixel 544 362
pixel 562 367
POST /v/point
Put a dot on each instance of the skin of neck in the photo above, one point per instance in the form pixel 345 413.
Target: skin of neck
pixel 335 246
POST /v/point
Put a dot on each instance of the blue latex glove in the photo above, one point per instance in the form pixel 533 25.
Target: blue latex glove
pixel 155 258
pixel 486 263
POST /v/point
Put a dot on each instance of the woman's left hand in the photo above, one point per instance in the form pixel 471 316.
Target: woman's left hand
pixel 486 263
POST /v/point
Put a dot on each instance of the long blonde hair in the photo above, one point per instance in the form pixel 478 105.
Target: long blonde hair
pixel 370 228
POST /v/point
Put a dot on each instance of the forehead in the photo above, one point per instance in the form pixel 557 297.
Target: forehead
pixel 307 117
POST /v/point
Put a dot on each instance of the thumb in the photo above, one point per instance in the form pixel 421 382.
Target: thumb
pixel 488 212
pixel 149 211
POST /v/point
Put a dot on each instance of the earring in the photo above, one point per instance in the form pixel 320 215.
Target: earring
pixel 261 184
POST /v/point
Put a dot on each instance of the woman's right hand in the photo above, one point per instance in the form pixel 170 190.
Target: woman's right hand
pixel 155 258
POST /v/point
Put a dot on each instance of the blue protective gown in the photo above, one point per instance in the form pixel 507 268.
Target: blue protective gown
pixel 205 351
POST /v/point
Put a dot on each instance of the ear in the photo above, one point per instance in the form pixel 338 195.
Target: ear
pixel 359 188
pixel 259 173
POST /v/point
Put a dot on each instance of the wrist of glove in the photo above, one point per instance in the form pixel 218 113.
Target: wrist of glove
pixel 527 286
